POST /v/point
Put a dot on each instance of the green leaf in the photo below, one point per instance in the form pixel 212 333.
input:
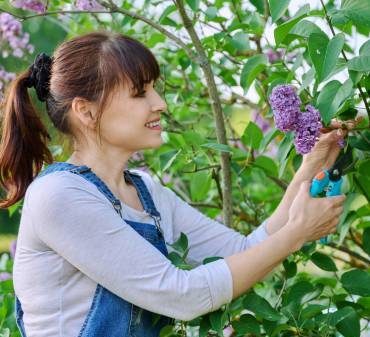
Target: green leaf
pixel 364 167
pixel 240 41
pixel 166 159
pixel 267 164
pixel 290 268
pixel 285 147
pixel 193 4
pixel 218 321
pixel 260 306
pixel 331 98
pixel 251 69
pixel 366 240
pixel 247 324
pixel 331 56
pixel 181 244
pixel 252 136
pixel 218 147
pixel 278 8
pixel 305 29
pixel 359 63
pixel 356 282
pixel 312 310
pixel 358 11
pixel 205 326
pixel 297 291
pixel 349 326
pixel 323 261
pixel 211 12
pixel 199 185
pixel 211 259
pixel 170 9
pixel 283 30
pixel 260 6
pixel 365 49
pixel 324 53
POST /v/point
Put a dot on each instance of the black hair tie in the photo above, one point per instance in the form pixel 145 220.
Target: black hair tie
pixel 40 76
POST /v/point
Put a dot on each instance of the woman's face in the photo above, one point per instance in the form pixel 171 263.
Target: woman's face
pixel 133 123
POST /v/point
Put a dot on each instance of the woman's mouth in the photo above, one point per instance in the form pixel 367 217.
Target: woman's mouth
pixel 155 125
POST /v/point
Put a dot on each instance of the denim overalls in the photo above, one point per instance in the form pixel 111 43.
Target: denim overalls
pixel 110 315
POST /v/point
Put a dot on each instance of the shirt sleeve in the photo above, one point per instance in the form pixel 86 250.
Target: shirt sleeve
pixel 207 237
pixel 75 220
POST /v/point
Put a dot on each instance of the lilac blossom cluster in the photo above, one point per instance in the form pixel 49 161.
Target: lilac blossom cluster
pixel 307 130
pixel 88 5
pixel 285 104
pixel 12 39
pixel 31 5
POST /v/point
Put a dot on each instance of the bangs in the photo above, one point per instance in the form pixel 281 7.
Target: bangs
pixel 129 62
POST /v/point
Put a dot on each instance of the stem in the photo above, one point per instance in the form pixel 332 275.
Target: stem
pixel 346 59
pixel 217 112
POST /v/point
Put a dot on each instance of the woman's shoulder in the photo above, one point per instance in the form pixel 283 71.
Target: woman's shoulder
pixel 58 185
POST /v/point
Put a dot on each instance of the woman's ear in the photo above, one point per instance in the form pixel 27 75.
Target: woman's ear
pixel 83 111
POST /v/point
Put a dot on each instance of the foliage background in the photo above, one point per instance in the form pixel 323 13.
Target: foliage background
pixel 222 152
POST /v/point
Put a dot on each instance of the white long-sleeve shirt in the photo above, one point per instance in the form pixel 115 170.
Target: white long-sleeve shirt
pixel 70 239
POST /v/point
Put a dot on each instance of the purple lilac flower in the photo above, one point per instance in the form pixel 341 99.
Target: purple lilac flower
pixel 4 276
pixel 32 5
pixel 12 248
pixel 260 121
pixel 12 39
pixel 88 5
pixel 308 130
pixel 285 104
pixel 274 55
pixel 5 77
pixel 342 143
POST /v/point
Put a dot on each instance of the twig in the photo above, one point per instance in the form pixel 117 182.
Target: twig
pixel 349 252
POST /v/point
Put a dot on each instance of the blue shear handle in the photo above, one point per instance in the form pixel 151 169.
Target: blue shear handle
pixel 319 183
pixel 334 188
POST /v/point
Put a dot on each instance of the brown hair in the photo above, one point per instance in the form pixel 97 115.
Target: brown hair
pixel 90 66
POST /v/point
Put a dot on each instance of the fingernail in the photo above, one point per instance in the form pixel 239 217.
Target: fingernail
pixel 339 132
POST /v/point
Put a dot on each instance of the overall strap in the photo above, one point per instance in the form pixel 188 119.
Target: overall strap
pixel 86 172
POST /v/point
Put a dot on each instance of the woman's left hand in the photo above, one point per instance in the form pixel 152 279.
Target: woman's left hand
pixel 325 152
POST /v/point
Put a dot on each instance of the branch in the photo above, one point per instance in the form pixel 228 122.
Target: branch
pixel 350 252
pixel 217 112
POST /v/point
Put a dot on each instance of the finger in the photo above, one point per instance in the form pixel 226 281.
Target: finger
pixel 336 201
pixel 334 123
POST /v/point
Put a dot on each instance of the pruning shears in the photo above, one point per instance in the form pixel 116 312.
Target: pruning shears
pixel 328 183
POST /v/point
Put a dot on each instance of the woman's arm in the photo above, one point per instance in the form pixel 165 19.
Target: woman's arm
pixel 279 217
pixel 206 237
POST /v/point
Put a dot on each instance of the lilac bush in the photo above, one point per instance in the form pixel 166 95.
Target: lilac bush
pixel 88 5
pixel 32 5
pixel 285 104
pixel 12 38
pixel 5 77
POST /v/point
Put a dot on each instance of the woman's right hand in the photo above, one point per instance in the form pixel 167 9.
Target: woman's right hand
pixel 313 218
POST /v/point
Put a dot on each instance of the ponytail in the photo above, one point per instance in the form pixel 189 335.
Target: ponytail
pixel 23 148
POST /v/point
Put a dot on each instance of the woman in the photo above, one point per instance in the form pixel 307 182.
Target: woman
pixel 91 256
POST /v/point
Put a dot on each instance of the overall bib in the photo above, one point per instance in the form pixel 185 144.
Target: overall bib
pixel 110 315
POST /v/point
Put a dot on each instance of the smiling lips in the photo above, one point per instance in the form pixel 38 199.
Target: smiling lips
pixel 154 125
